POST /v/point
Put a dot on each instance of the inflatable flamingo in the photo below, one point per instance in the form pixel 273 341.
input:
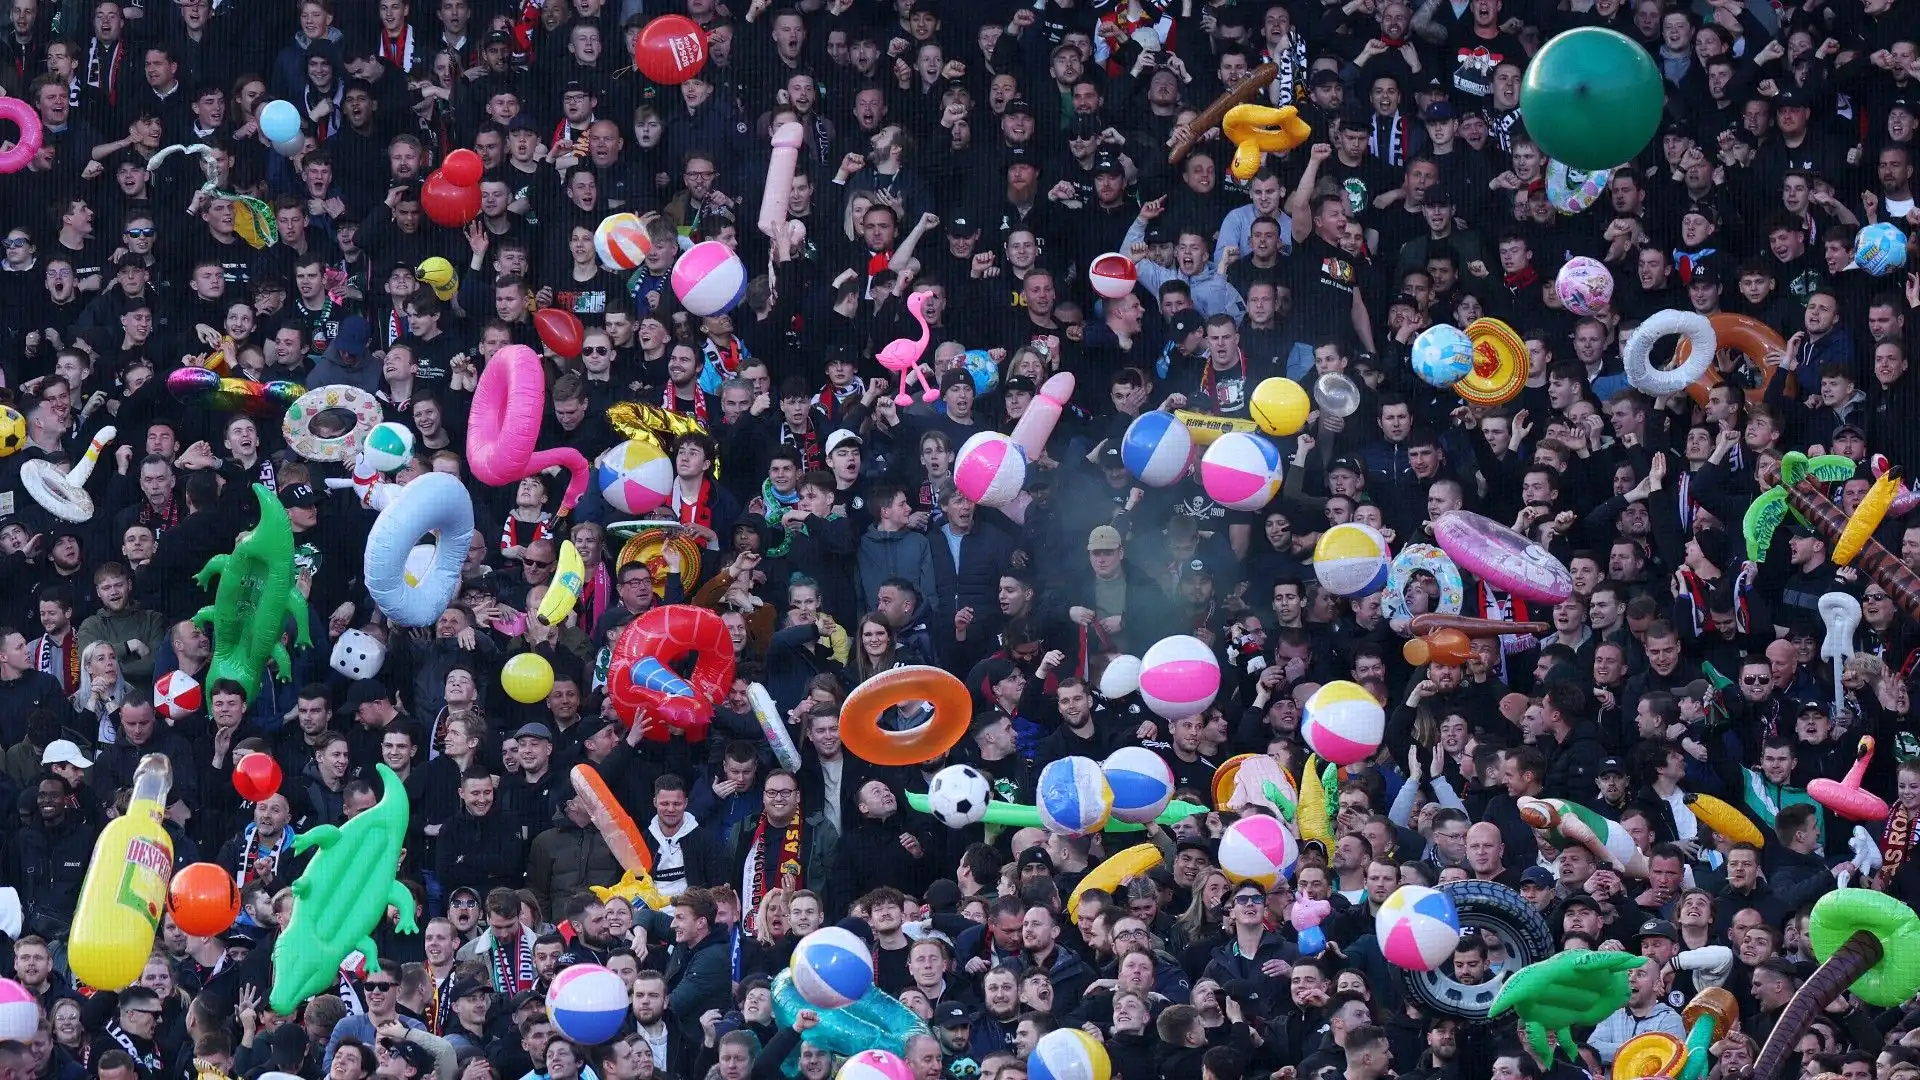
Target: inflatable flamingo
pixel 902 356
pixel 1846 797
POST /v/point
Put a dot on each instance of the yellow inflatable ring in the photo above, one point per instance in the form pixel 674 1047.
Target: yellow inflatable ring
pixel 1499 364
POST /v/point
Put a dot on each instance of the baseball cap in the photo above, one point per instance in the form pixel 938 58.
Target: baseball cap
pixel 467 988
pixel 949 1014
pixel 1103 537
pixel 1017 382
pixel 523 122
pixel 413 1054
pixel 587 728
pixel 535 730
pixel 1855 428
pixel 497 37
pixel 1696 689
pixel 1611 765
pixel 1083 126
pixel 239 936
pixel 1019 106
pixel 1110 458
pixel 1020 155
pixel 961 225
pixel 1187 322
pixel 841 437
pixel 1791 98
pixel 1323 77
pixel 365 690
pixel 1802 532
pixel 1658 928
pixel 1537 875
pixel 301 495
pixel 1351 464
pixel 64 752
pixel 1579 899
pixel 1108 166
pixel 354 338
pixel 1439 110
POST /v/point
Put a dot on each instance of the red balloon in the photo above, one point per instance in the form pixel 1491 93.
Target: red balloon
pixel 256 776
pixel 449 204
pixel 463 168
pixel 560 330
pixel 670 50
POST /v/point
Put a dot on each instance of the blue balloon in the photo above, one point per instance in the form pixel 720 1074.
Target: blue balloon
pixel 279 122
pixel 1312 940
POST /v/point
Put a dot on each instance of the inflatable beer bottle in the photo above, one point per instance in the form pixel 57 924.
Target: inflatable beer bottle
pixel 126 886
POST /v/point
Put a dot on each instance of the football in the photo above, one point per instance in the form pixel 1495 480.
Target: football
pixel 958 796
pixel 13 431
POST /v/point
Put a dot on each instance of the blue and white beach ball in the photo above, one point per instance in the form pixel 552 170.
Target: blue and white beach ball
pixel 1073 797
pixel 1141 781
pixel 587 1003
pixel 1157 448
pixel 832 968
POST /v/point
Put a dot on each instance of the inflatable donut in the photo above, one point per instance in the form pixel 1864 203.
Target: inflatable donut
pixel 508 405
pixel 643 686
pixel 1414 557
pixel 297 425
pixel 1113 872
pixel 435 503
pixel 1499 364
pixel 1501 557
pixel 1750 338
pixel 22 116
pixel 860 715
pixel 774 728
pixel 1687 368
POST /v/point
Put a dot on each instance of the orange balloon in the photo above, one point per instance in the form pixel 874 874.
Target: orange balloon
pixel 1438 647
pixel 559 330
pixel 203 899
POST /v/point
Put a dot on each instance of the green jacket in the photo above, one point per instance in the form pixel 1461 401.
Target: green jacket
pixel 134 624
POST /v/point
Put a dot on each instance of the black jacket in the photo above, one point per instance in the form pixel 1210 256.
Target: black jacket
pixel 47 864
pixel 479 852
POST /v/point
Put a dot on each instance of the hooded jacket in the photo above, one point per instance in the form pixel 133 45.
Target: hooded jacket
pixel 567 858
pixel 898 554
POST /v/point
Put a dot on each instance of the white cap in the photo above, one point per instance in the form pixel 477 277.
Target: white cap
pixel 64 752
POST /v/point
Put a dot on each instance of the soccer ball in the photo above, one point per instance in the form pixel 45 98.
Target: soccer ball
pixel 958 796
pixel 13 431
pixel 177 695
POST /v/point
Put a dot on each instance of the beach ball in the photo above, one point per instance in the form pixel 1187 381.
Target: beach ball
pixel 527 677
pixel 1417 927
pixel 709 278
pixel 1068 1053
pixel 1584 285
pixel 19 1012
pixel 1179 676
pixel 634 476
pixel 1351 559
pixel 670 50
pixel 587 1003
pixel 621 241
pixel 1592 98
pixel 1112 275
pixel 177 695
pixel 1142 783
pixel 1259 849
pixel 978 363
pixel 1279 406
pixel 1442 355
pixel 13 431
pixel 1880 249
pixel 1241 471
pixel 388 448
pixel 874 1065
pixel 1121 678
pixel 990 468
pixel 832 968
pixel 1073 797
pixel 1343 722
pixel 203 899
pixel 1156 448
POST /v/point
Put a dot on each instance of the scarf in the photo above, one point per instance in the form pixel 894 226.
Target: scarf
pixel 148 1060
pixel 510 976
pixel 60 660
pixel 697 512
pixel 111 83
pixel 1896 844
pixel 1389 138
pixel 439 1007
pixel 1522 279
pixel 252 851
pixel 398 51
pixel 1291 85
pixel 512 534
pixel 808 443
pixel 766 870
pixel 671 403
pixel 159 520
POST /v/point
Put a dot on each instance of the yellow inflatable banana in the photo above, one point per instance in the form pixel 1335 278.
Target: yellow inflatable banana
pixel 1721 817
pixel 1866 518
pixel 568 579
pixel 1311 818
pixel 1132 862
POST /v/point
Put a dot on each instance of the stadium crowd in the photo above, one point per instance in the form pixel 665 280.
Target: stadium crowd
pixel 981 154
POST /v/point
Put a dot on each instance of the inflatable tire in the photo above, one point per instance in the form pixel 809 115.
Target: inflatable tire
pixel 1483 905
pixel 1687 368
pixel 435 503
pixel 1415 557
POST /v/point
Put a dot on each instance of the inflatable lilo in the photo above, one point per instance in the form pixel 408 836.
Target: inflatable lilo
pixel 504 424
pixel 435 504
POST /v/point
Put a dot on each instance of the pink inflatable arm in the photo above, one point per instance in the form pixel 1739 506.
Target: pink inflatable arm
pixel 505 424
pixel 1043 412
pixel 786 158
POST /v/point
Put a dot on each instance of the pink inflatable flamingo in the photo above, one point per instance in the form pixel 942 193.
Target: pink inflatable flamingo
pixel 902 356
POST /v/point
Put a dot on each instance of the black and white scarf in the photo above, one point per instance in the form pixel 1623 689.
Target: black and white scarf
pixel 252 850
pixel 148 1060
pixel 510 976
pixel 1388 141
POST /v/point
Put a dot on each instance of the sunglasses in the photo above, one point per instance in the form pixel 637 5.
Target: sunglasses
pixel 378 987
pixel 535 564
pixel 596 350
pixel 140 234
pixel 1754 680
pixel 17 241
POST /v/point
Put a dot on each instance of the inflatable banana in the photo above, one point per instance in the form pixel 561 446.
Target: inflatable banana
pixel 1116 869
pixel 1256 130
pixel 1313 820
pixel 564 593
pixel 1722 818
pixel 1867 517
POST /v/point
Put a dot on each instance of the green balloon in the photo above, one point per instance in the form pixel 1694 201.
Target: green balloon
pixel 1592 98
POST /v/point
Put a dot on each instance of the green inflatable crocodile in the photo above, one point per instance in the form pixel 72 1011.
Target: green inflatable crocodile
pixel 248 615
pixel 342 896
